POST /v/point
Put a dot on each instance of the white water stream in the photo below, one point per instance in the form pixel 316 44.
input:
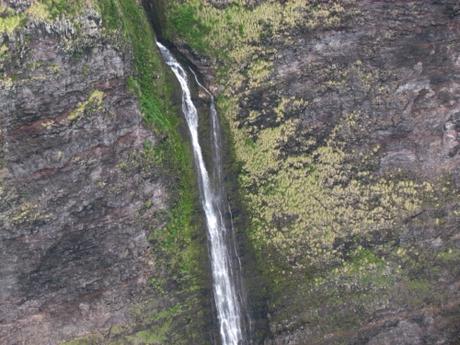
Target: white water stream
pixel 225 290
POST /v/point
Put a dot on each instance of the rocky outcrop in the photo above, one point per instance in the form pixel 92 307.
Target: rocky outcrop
pixel 79 194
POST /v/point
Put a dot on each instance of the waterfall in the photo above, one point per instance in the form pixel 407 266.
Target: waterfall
pixel 225 271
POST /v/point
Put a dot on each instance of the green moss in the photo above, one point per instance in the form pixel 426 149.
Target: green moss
pixel 9 23
pixel 149 337
pixel 94 102
pixel 158 334
pixel 187 24
pixel 40 11
pixel 3 52
pixel 419 286
pixel 302 205
pixel 92 340
pixel 258 72
pixel 229 33
pixel 44 10
pixel 110 13
pixel 449 256
pixel 56 8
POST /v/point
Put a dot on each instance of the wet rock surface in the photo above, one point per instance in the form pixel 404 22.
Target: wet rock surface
pixel 78 198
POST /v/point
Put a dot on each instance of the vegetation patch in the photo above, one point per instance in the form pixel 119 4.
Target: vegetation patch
pixel 40 11
pixel 44 10
pixel 9 20
pixel 56 8
pixel 93 103
pixel 230 32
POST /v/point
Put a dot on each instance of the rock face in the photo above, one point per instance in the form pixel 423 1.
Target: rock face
pixel 344 122
pixel 344 118
pixel 395 66
pixel 78 195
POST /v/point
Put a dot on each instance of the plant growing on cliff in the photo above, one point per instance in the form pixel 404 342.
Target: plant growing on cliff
pixel 177 243
pixel 94 101
pixel 9 20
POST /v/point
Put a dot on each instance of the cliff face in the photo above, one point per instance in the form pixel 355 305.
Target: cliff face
pixel 74 187
pixel 344 121
pixel 344 124
pixel 88 183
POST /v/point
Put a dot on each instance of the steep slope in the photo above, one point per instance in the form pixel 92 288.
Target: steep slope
pixel 97 197
pixel 344 117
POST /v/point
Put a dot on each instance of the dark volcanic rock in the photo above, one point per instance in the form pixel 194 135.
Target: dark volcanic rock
pixel 74 186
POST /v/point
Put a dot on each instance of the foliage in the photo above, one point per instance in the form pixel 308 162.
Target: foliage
pixel 187 24
pixel 39 10
pixel 43 10
pixel 9 20
pixel 57 8
pixel 301 205
pixel 230 32
pixel 94 101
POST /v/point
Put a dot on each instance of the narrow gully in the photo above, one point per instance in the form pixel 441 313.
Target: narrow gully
pixel 226 272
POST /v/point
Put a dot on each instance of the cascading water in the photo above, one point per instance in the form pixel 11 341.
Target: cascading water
pixel 225 275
